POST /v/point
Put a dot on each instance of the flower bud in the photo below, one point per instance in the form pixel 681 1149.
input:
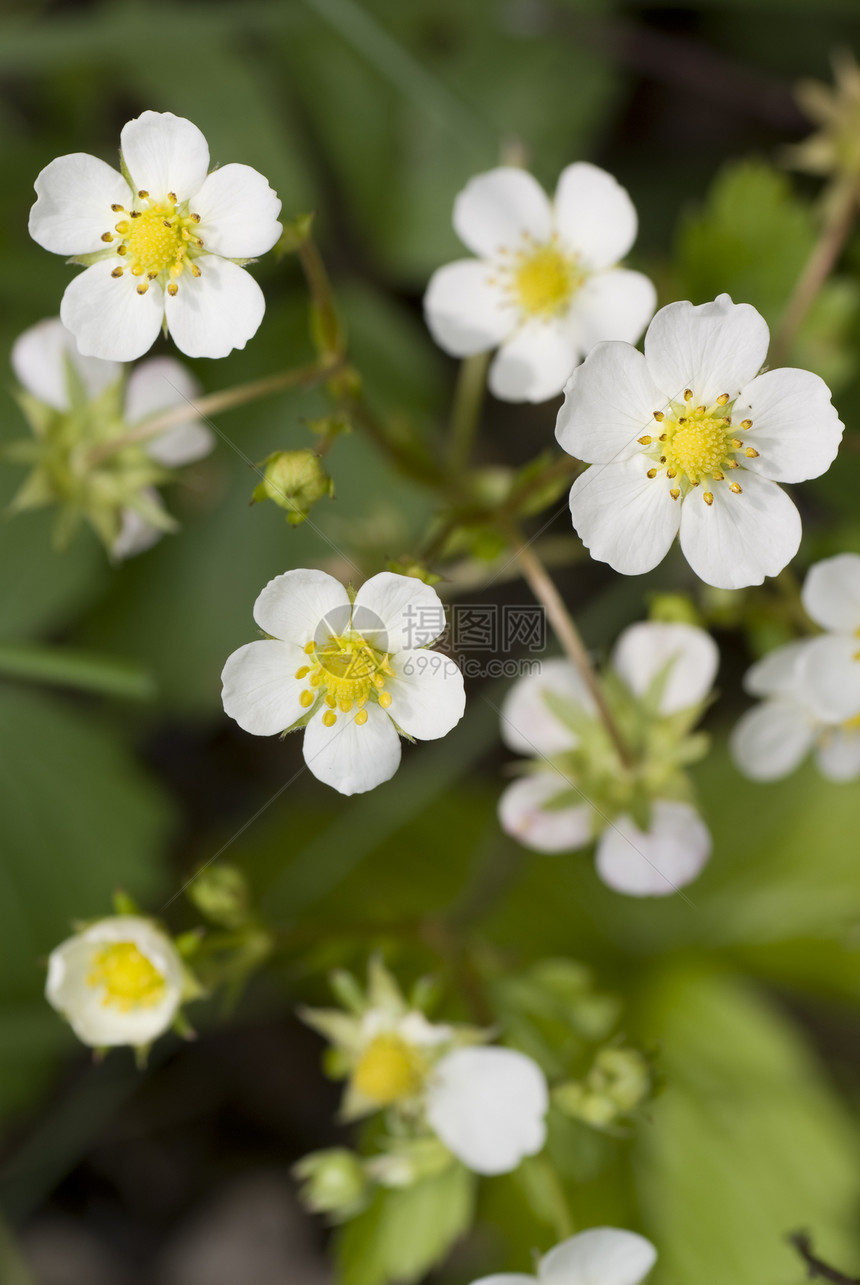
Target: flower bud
pixel 295 480
pixel 333 1182
pixel 220 893
pixel 618 1082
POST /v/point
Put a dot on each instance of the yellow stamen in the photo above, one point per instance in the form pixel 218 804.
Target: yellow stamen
pixel 129 980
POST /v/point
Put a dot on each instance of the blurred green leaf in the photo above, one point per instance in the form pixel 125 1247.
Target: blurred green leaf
pixel 65 667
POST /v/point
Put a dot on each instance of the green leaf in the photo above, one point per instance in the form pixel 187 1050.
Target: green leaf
pixel 406 1232
pixel 66 667
pixel 748 1143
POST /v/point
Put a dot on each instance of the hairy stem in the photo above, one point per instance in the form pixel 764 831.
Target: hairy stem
pixel 543 588
pixel 466 411
pixel 838 222
pixel 816 1266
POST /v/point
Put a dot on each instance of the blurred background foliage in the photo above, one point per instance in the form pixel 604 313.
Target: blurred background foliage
pixel 374 113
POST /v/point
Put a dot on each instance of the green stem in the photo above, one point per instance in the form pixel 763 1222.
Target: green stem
pixel 841 205
pixel 559 1208
pixel 466 410
pixel 64 667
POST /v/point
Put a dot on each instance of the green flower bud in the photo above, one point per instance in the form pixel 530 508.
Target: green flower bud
pixel 295 480
pixel 334 1183
pixel 220 893
pixel 674 608
pixel 618 1082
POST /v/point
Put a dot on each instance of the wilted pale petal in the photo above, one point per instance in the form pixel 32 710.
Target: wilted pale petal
pixel 599 1256
pixel 466 313
pixel 523 814
pixel 427 694
pixel 137 533
pixel 594 215
pixel 40 358
pixel 645 650
pixel 772 739
pixel 658 862
pixel 164 153
pixel 608 405
pixel 831 592
pixel 829 676
pixel 495 210
pixel 613 305
pixel 488 1106
pixel 157 385
pixel 838 754
pixel 218 311
pixel 107 316
pixel 623 517
pixel 350 757
pixel 535 363
pixel 395 613
pixel 72 211
pixel 238 212
pixel 299 603
pixel 795 427
pixel 260 688
pixel 740 539
pixel 528 724
pixel 711 348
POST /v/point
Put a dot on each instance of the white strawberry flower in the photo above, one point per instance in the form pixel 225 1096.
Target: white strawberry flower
pixel 545 287
pixel 830 674
pixel 599 1256
pixel 551 809
pixel 48 365
pixel 690 439
pixel 355 673
pixel 119 981
pixel 164 242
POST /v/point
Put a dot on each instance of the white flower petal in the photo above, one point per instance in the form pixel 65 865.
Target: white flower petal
pixel 838 755
pixel 488 1106
pixel 599 1256
pixel 739 539
pixel 39 360
pixel 260 689
pixel 659 862
pixel 506 1278
pixel 524 816
pixel 303 605
pixel 427 694
pixel 795 427
pixel 353 758
pixel 645 649
pixel 465 313
pixel 107 316
pixel 608 405
pixel 218 311
pixel 238 212
pixel 496 209
pixel 136 533
pixel 771 740
pixel 397 613
pixel 535 363
pixel 831 592
pixel 623 517
pixel 829 676
pixel 712 348
pixel 528 725
pixel 613 305
pixel 776 673
pixel 72 211
pixel 165 153
pixel 101 1025
pixel 157 385
pixel 594 215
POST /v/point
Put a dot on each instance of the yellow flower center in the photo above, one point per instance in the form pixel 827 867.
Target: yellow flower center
pixel 158 240
pixel 128 978
pixel 697 443
pixel 388 1070
pixel 544 280
pixel 349 672
pixel 852 724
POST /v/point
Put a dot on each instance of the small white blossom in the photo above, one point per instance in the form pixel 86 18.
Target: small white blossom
pixel 599 1256
pixel 544 288
pixel 773 738
pixel 551 811
pixel 356 674
pixel 119 981
pixel 830 673
pixel 690 439
pixel 163 247
pixel 48 365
